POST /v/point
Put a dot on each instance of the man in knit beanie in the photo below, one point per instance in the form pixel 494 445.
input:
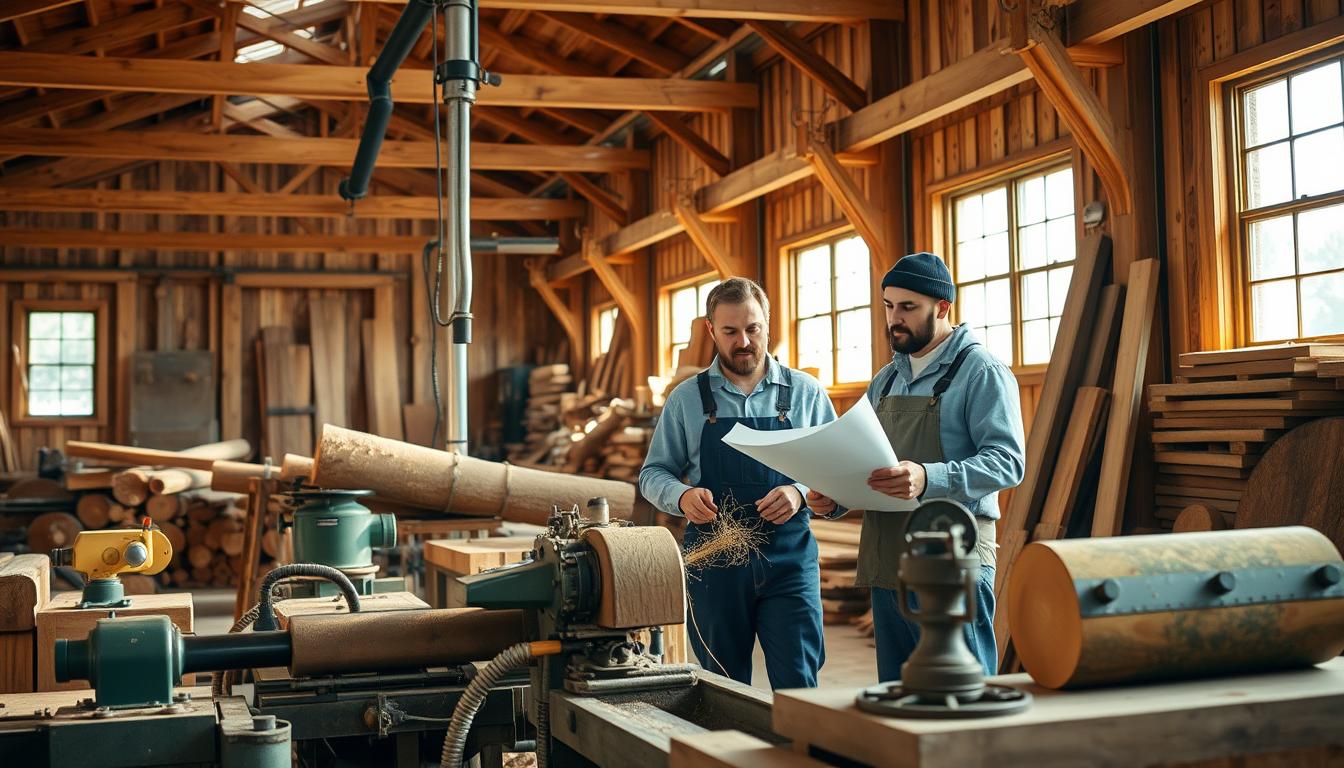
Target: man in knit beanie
pixel 951 411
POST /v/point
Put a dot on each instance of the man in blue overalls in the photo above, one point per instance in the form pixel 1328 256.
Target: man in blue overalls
pixel 776 596
pixel 951 412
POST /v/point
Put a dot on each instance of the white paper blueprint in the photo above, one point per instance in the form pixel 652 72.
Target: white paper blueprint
pixel 833 459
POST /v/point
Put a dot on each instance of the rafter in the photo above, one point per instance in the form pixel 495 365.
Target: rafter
pixel 209 241
pixel 696 144
pixel 866 217
pixel 307 150
pixel 620 39
pixel 780 10
pixel 599 197
pixel 275 29
pixel 537 133
pixel 116 32
pixel 347 83
pixel 709 245
pixel 1096 21
pixel 536 274
pixel 536 54
pixel 278 204
pixel 811 63
pixel 14 9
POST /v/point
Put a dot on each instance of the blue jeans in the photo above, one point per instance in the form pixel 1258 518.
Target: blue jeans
pixel 896 637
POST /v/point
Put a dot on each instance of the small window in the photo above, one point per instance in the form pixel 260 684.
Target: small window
pixel 1012 259
pixel 606 328
pixel 686 305
pixel 1290 149
pixel 833 301
pixel 60 372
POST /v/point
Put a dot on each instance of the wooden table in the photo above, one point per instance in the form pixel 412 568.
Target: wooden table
pixel 1293 715
pixel 413 532
pixel 449 558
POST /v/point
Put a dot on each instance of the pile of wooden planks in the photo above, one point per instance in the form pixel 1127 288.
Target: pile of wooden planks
pixel 625 451
pixel 1225 409
pixel 838 557
pixel 613 373
pixel 547 441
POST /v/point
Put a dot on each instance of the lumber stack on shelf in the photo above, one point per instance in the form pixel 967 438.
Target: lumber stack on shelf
pixel 547 441
pixel 838 556
pixel 1225 409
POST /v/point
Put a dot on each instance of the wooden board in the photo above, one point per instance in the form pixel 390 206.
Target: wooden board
pixel 1237 473
pixel 1227 422
pixel 1100 366
pixel 1299 482
pixel 1301 366
pixel 1236 387
pixel 25 587
pixel 61 619
pixel 1269 352
pixel 1217 435
pixel 381 385
pixel 1127 397
pixel 1075 454
pixel 1205 458
pixel 319 606
pixel 1149 725
pixel 327 325
pixel 17 668
pixel 1202 493
pixel 1193 481
pixel 733 749
pixel 418 419
pixel 1257 404
pixel 465 557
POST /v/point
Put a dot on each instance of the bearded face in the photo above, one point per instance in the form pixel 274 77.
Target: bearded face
pixel 911 334
pixel 740 336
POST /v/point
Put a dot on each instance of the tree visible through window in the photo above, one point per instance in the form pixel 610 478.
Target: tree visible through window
pixel 833 303
pixel 1290 147
pixel 60 363
pixel 1012 259
pixel 686 305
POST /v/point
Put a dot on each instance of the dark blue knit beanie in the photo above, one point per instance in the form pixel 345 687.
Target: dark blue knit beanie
pixel 922 273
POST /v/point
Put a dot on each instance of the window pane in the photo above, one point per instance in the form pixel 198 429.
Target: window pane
pixel 77 325
pixel 44 403
pixel 76 377
pixel 684 308
pixel 1271 247
pixel 814 265
pixel 44 377
pixel 1273 311
pixel 1035 296
pixel 970 214
pixel 44 325
pixel 1266 113
pixel 1059 289
pixel 996 211
pixel 999 341
pixel 1031 201
pixel 77 351
pixel 1323 304
pixel 1062 243
pixel 852 284
pixel 703 299
pixel 44 351
pixel 970 261
pixel 1031 246
pixel 814 347
pixel 1035 342
pixel 814 298
pixel 995 250
pixel 1268 180
pixel 1059 193
pixel 851 255
pixel 1318 161
pixel 77 403
pixel 1316 98
pixel 1320 239
pixel 856 346
pixel 998 302
pixel 971 304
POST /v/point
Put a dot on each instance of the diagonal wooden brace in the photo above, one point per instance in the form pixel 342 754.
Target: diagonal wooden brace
pixel 536 271
pixel 705 241
pixel 866 217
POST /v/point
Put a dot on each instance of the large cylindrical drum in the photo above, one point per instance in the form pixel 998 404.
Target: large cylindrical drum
pixel 1169 606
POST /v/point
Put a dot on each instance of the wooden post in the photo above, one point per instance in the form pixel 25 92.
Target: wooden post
pixel 258 498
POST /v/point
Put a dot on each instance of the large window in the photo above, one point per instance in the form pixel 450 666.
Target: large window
pixel 60 368
pixel 833 303
pixel 1012 258
pixel 685 306
pixel 1290 154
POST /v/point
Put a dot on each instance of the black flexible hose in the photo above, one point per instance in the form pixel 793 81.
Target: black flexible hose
pixel 266 612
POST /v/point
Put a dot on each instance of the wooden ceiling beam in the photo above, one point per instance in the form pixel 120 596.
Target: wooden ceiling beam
pixel 866 217
pixel 620 39
pixel 715 29
pixel 696 144
pixel 14 9
pixel 338 152
pixel 1096 21
pixel 343 83
pixel 536 54
pixel 209 241
pixel 509 120
pixel 604 201
pixel 837 11
pixel 276 29
pixel 715 252
pixel 117 32
pixel 811 63
pixel 278 204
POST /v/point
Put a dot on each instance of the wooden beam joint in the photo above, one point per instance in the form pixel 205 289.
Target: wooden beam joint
pixel 866 217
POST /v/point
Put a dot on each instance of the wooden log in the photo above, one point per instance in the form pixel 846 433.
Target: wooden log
pixel 295 466
pixel 138 584
pixel 195 534
pixel 233 476
pixel 199 457
pixel 52 530
pixel 116 513
pixel 200 556
pixel 92 510
pixel 162 481
pixel 177 539
pixel 25 587
pixel 439 480
pixel 162 509
pixel 1062 648
pixel 131 487
pixel 89 479
pixel 270 543
pixel 1299 482
pixel 1199 517
pixel 232 543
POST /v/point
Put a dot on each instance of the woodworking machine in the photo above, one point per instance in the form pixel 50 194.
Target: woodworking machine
pixel 572 636
pixel 101 556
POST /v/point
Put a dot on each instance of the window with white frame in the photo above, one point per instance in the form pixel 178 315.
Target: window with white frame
pixel 1013 247
pixel 60 366
pixel 833 329
pixel 1290 158
pixel 686 305
pixel 606 328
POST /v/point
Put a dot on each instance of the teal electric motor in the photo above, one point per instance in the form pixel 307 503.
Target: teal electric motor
pixel 332 528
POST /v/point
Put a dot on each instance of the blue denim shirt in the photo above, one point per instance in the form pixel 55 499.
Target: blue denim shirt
pixel 674 452
pixel 980 423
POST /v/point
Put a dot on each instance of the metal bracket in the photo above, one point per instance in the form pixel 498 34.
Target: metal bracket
pixel 1124 595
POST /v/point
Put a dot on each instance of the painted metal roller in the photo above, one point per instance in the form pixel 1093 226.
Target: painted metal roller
pixel 337 643
pixel 1136 608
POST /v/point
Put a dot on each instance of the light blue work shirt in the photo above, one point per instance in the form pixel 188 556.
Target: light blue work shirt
pixel 674 452
pixel 980 423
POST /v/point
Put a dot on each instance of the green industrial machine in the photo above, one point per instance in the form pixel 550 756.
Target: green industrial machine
pixel 331 527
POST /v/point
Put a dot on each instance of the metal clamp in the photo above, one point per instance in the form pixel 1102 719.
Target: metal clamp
pixel 1124 595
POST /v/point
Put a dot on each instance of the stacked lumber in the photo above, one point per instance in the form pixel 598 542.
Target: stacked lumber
pixel 613 373
pixel 1223 412
pixel 549 392
pixel 838 557
pixel 625 451
pixel 695 356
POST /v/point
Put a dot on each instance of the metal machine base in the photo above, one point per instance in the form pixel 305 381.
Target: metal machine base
pixel 891 700
pixel 104 593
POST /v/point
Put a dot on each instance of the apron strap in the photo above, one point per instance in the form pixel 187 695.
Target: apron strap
pixel 946 381
pixel 711 408
pixel 783 399
pixel 886 389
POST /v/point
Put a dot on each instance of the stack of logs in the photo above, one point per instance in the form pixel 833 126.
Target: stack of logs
pixel 1223 412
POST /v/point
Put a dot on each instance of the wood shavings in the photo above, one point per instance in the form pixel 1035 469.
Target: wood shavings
pixel 732 539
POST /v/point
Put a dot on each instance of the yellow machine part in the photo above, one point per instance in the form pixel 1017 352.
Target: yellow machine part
pixel 102 554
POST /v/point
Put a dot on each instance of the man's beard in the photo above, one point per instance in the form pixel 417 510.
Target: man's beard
pixel 742 361
pixel 914 338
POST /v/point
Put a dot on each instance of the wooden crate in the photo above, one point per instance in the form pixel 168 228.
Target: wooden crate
pixel 60 619
pixel 314 606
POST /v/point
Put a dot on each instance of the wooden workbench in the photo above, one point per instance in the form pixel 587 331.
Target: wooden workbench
pixel 1286 714
pixel 447 559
